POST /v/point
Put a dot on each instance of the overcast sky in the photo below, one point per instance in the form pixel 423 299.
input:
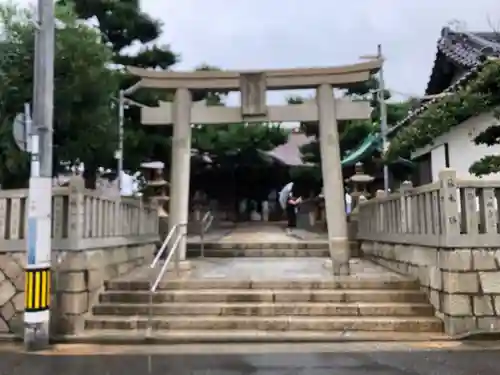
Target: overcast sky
pixel 259 34
pixel 254 34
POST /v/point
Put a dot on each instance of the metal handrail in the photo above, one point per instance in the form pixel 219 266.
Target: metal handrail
pixel 205 224
pixel 159 277
pixel 164 245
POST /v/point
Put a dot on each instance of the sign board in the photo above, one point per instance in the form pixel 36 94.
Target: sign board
pixel 253 94
pixel 21 129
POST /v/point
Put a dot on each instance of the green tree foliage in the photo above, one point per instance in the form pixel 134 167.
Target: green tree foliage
pixel 239 168
pixel 353 132
pixel 491 135
pixel 237 143
pixel 489 163
pixel 122 25
pixel 83 125
pixel 480 94
pixel 396 111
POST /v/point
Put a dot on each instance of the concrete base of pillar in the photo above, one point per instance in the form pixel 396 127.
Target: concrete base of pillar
pixel 338 269
pixel 37 337
pixel 340 253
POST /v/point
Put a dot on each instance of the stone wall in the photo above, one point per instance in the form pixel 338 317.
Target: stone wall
pixel 94 238
pixel 447 234
pixel 463 284
pixel 77 278
pixel 11 291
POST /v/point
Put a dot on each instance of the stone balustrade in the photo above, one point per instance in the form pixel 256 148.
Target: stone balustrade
pixel 94 238
pixel 447 235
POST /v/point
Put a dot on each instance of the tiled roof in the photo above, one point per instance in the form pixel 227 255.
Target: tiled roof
pixel 289 153
pixel 465 49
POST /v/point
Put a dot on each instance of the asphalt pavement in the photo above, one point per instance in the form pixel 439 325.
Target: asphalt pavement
pixel 331 359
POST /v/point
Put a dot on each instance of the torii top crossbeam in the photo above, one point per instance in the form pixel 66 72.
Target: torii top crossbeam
pixel 274 79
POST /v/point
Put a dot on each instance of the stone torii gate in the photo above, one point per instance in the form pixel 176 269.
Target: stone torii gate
pixel 253 86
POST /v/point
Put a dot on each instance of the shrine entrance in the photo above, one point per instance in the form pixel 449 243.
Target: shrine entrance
pixel 324 109
pixel 242 189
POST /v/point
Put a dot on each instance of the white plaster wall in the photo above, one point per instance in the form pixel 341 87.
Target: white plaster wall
pixel 438 161
pixel 462 150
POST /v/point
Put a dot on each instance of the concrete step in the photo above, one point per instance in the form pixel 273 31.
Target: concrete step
pixel 141 336
pixel 399 284
pixel 264 295
pixel 275 323
pixel 194 246
pixel 259 252
pixel 267 309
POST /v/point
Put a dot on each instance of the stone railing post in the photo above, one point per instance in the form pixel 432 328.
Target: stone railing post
pixel 265 211
pixel 381 215
pixel 405 207
pixel 76 211
pixel 448 199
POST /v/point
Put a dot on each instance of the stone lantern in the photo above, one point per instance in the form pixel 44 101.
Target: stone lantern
pixel 359 182
pixel 156 192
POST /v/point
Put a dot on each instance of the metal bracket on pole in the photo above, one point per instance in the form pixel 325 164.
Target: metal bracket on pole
pixel 35 24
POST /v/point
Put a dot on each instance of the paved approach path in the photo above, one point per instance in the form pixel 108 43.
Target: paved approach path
pixel 302 359
pixel 281 269
pixel 259 233
pixel 266 268
pixel 262 269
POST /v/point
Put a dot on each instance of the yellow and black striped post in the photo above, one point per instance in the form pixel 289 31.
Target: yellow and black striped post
pixel 37 290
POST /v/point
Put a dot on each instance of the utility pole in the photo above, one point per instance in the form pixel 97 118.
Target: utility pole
pixel 119 152
pixel 122 100
pixel 38 264
pixel 383 115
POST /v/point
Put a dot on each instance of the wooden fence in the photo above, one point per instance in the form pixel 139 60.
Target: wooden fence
pixel 81 219
pixel 448 213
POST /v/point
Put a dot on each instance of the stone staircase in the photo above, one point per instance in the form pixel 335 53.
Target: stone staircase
pixel 301 310
pixel 270 250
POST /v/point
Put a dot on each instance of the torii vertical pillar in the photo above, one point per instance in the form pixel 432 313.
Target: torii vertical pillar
pixel 180 169
pixel 333 186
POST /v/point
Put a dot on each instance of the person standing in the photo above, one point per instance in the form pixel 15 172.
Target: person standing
pixel 291 211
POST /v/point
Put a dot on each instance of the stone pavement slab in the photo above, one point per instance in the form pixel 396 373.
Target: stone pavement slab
pixel 340 359
pixel 213 235
pixel 259 233
pixel 301 268
pixel 279 269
